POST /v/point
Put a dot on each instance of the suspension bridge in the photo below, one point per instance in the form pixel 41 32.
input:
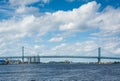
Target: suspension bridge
pixel 37 58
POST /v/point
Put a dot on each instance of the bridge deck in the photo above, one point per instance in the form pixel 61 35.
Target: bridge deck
pixel 89 57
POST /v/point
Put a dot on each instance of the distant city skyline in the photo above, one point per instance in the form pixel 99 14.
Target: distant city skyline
pixel 59 27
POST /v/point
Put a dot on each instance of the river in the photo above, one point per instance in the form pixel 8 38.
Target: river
pixel 60 72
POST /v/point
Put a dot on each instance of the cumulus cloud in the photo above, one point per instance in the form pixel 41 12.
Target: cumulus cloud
pixel 86 17
pixel 45 1
pixel 108 21
pixel 77 19
pixel 56 39
pixel 26 10
pixel 22 3
pixel 78 48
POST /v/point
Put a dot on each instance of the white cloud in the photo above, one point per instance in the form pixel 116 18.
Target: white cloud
pixel 26 24
pixel 56 39
pixel 110 45
pixel 117 51
pixel 84 18
pixel 108 21
pixel 26 10
pixel 77 18
pixel 68 26
pixel 45 1
pixel 21 2
pixel 79 48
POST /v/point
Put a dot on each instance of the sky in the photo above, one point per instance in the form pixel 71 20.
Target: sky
pixel 60 27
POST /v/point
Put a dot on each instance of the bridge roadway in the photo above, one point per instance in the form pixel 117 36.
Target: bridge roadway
pixel 85 57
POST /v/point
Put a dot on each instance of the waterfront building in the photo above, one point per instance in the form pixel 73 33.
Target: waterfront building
pixel 2 62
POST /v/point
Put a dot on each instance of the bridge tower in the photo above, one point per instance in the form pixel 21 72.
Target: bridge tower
pixel 99 55
pixel 23 54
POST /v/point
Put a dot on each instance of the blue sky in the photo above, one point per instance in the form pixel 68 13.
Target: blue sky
pixel 60 27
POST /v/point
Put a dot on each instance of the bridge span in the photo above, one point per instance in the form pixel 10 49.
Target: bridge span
pixel 86 57
pixel 38 57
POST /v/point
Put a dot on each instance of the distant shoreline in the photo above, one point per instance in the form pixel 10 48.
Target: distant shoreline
pixel 108 63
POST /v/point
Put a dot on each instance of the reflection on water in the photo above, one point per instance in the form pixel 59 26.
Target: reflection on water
pixel 60 72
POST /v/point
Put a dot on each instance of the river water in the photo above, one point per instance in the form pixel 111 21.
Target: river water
pixel 60 72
